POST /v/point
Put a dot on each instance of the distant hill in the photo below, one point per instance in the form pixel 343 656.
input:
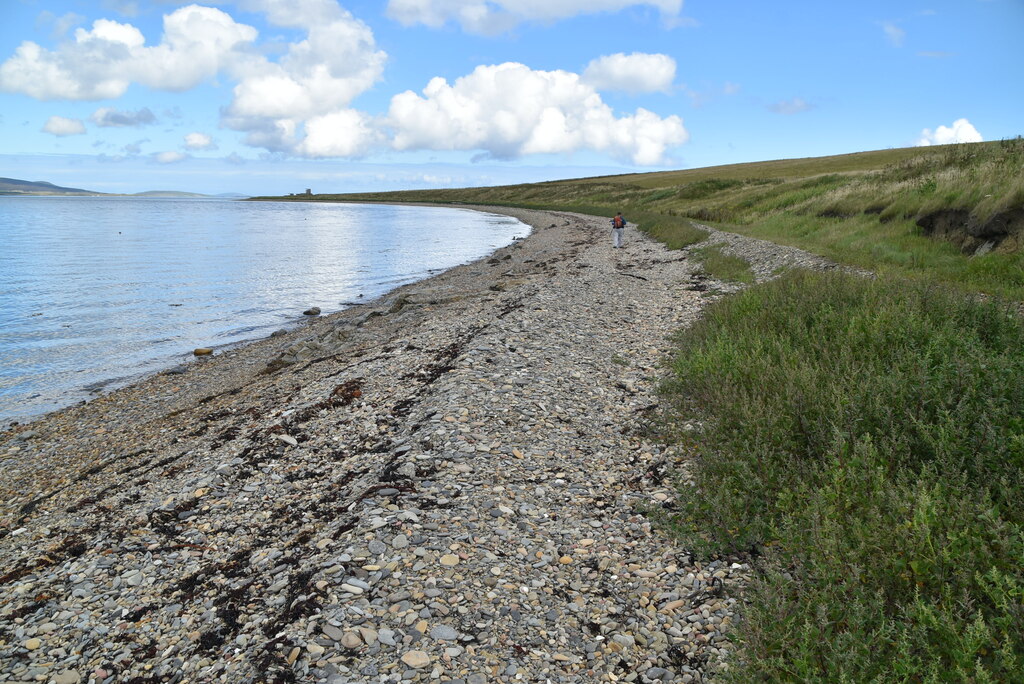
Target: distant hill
pixel 174 194
pixel 168 194
pixel 13 186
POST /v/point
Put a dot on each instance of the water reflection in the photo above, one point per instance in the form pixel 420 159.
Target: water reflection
pixel 97 288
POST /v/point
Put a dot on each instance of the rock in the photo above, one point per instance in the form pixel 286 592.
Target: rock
pixel 369 635
pixel 449 560
pixel 332 632
pixel 443 632
pixel 312 311
pixel 202 351
pixel 33 644
pixel 416 659
pixel 351 641
pixel 67 677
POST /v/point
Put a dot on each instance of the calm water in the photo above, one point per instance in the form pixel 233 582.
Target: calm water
pixel 95 291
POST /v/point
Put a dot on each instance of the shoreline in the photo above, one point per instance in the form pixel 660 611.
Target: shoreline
pixel 447 485
pixel 32 401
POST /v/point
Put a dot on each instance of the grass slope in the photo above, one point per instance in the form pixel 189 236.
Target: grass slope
pixel 932 213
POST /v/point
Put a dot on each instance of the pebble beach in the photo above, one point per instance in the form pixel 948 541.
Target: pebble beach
pixel 449 484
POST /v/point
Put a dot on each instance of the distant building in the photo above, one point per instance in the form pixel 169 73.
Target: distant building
pixel 308 191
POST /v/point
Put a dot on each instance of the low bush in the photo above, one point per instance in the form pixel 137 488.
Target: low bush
pixel 867 436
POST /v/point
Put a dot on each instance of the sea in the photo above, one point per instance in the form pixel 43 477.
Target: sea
pixel 98 292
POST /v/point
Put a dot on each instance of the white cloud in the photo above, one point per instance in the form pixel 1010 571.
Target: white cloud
pixel 170 157
pixel 108 117
pixel 273 100
pixel 635 73
pixel 510 110
pixel 960 132
pixel 494 16
pixel 278 104
pixel 103 62
pixel 793 106
pixel 893 33
pixel 346 133
pixel 199 141
pixel 60 126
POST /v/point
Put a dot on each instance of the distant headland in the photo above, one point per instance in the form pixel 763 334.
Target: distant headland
pixel 14 186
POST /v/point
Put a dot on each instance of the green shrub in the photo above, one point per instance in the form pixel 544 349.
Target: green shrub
pixel 869 436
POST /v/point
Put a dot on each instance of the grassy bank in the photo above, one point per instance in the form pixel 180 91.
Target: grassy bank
pixel 869 437
pixel 908 212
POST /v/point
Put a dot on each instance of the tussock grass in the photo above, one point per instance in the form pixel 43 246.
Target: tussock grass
pixel 722 266
pixel 868 435
pixel 673 231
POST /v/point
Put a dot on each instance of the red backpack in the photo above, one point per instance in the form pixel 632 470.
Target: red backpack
pixel 619 222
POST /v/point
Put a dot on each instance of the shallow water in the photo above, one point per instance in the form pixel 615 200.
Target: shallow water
pixel 99 291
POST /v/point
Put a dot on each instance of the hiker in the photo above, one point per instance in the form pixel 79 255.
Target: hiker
pixel 618 228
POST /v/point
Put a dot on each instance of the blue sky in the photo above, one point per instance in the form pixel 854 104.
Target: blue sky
pixel 274 96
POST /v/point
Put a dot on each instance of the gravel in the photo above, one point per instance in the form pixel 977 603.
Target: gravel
pixel 443 485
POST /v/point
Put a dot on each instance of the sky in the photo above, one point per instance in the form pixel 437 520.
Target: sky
pixel 276 96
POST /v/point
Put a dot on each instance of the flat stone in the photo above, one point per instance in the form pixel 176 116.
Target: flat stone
pixel 443 632
pixel 416 659
pixel 351 640
pixel 332 632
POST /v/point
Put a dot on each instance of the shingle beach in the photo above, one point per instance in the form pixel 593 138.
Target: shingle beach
pixel 448 484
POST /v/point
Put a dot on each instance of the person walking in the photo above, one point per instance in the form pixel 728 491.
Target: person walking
pixel 618 228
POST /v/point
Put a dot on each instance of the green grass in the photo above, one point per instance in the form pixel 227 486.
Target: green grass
pixel 722 266
pixel 868 435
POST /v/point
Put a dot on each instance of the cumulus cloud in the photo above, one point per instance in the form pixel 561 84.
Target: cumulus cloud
pixel 960 132
pixel 494 16
pixel 170 157
pixel 793 106
pixel 510 110
pixel 347 133
pixel 279 104
pixel 61 126
pixel 199 141
pixel 103 62
pixel 108 117
pixel 635 73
